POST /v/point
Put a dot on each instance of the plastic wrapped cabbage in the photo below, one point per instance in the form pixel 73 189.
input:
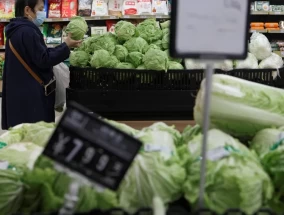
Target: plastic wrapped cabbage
pixel 226 65
pixel 102 59
pixel 194 64
pixel 268 144
pixel 77 27
pixel 136 44
pixel 79 58
pixel 37 133
pixel 125 30
pixel 274 61
pixel 155 59
pixel 231 169
pixel 135 58
pixel 175 65
pixel 124 65
pixel 12 191
pixel 260 46
pixel 249 63
pixel 149 30
pixel 21 155
pixel 121 53
pixel 155 172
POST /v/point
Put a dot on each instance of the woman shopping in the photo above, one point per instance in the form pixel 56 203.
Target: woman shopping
pixel 28 82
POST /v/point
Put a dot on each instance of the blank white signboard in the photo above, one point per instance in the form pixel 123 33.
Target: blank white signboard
pixel 211 27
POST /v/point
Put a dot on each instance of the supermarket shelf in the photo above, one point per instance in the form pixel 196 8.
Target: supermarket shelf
pixel 145 16
pixel 259 13
pixel 281 31
pixel 2 47
pixel 259 31
pixel 276 13
pixel 86 18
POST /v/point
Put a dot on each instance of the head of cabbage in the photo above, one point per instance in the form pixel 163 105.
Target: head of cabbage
pixel 136 44
pixel 149 30
pixel 155 59
pixel 105 41
pixel 79 58
pixel 124 30
pixel 121 53
pixel 102 59
pixel 77 27
pixel 135 58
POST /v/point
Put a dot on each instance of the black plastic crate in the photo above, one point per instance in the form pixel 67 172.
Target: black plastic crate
pixel 115 79
pixel 137 105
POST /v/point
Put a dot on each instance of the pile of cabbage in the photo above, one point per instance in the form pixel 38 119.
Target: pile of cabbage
pixel 144 46
pixel 260 56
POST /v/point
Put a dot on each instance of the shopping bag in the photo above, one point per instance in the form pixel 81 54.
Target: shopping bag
pixel 62 75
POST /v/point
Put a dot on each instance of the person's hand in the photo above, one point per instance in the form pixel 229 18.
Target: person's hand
pixel 72 43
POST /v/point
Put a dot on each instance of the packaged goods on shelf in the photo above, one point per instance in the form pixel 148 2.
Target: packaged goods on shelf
pixel 84 7
pixel 129 7
pixel 160 7
pixel 144 7
pixel 54 34
pixel 262 6
pixel 69 8
pixel 7 10
pixel 54 10
pixel 99 8
pixel 115 7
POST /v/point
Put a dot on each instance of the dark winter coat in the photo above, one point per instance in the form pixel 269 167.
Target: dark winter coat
pixel 23 98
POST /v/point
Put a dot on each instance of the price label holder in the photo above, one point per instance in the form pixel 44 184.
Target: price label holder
pixel 210 31
pixel 84 143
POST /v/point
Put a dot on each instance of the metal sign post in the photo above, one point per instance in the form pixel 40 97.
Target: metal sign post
pixel 211 31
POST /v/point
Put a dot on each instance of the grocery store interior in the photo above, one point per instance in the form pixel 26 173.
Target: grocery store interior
pixel 131 134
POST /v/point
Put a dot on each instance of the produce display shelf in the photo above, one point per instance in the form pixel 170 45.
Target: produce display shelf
pixel 259 31
pixel 132 95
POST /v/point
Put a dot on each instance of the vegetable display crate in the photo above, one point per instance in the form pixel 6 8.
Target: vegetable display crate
pixel 148 95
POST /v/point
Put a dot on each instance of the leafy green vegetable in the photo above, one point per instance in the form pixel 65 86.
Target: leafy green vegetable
pixel 153 46
pixel 105 41
pixel 141 67
pixel 124 65
pixel 11 195
pixel 166 24
pixel 127 129
pixel 102 59
pixel 166 41
pixel 149 30
pixel 241 108
pixel 79 58
pixel 121 53
pixel 155 59
pixel 136 44
pixel 21 155
pixel 77 27
pixel 154 172
pixel 175 65
pixel 125 30
pixel 231 168
pixel 135 58
pixel 269 145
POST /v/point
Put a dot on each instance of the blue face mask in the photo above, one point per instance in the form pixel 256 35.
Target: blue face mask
pixel 40 17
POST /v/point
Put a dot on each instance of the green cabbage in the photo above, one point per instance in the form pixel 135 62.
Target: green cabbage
pixel 106 42
pixel 241 108
pixel 135 58
pixel 153 46
pixel 175 65
pixel 136 44
pixel 166 24
pixel 77 27
pixel 124 65
pixel 141 67
pixel 158 43
pixel 155 59
pixel 86 44
pixel 102 59
pixel 166 41
pixel 121 53
pixel 21 155
pixel 149 30
pixel 268 144
pixel 125 30
pixel 12 190
pixel 123 127
pixel 231 169
pixel 166 31
pixel 154 172
pixel 79 58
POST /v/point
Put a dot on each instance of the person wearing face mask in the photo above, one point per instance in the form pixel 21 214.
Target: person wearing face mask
pixel 28 94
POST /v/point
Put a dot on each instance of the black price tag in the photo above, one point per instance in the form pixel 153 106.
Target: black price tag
pixel 86 144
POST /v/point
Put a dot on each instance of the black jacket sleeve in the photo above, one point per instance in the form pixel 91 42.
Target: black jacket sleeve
pixel 42 56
